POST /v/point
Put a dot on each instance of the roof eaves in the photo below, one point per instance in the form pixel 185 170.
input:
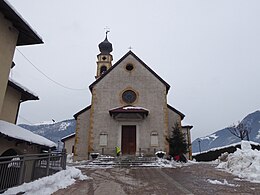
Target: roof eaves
pixel 25 94
pixel 81 111
pixel 187 126
pixel 68 137
pixel 176 111
pixel 27 36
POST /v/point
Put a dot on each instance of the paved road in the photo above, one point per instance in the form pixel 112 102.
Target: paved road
pixel 160 181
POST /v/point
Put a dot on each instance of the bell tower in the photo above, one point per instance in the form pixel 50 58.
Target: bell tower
pixel 104 59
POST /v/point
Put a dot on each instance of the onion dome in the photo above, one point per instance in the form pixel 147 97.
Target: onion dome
pixel 105 47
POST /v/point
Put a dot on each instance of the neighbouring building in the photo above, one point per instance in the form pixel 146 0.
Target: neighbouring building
pixel 129 109
pixel 15 31
pixel 68 142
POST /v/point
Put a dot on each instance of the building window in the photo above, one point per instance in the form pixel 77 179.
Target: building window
pixel 103 139
pixel 154 139
pixel 129 96
pixel 129 67
pixel 103 69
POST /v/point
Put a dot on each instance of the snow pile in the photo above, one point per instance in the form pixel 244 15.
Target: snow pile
pixel 244 163
pixel 159 152
pixel 216 182
pixel 50 184
pixel 20 133
pixel 70 158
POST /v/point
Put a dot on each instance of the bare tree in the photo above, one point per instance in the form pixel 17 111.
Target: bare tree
pixel 241 131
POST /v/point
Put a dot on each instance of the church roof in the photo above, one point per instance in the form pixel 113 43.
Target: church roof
pixel 105 47
pixel 176 111
pixel 119 61
pixel 81 111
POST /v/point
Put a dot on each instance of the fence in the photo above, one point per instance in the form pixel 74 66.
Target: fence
pixel 15 170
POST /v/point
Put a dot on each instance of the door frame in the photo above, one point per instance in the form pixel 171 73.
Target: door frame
pixel 119 140
pixel 128 131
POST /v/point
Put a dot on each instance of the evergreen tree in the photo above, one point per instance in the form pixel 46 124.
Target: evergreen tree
pixel 178 144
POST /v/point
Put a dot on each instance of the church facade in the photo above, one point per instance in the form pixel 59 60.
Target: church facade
pixel 128 109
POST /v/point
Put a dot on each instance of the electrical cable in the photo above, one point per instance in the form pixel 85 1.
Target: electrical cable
pixel 19 116
pixel 57 83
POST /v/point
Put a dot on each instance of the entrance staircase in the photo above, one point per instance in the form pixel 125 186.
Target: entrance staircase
pixel 123 162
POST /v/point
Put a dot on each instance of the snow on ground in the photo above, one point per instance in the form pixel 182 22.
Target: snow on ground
pixel 244 163
pixel 216 182
pixel 50 184
pixel 163 163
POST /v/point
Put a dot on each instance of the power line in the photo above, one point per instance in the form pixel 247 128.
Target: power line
pixel 49 78
pixel 25 119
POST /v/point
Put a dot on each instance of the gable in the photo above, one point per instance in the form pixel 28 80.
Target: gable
pixel 121 60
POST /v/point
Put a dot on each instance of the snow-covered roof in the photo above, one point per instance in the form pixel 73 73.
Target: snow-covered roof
pixel 27 35
pixel 222 147
pixel 68 136
pixel 26 93
pixel 20 133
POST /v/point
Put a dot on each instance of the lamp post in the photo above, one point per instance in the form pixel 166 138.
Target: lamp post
pixel 199 146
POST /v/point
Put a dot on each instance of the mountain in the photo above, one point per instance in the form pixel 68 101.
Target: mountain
pixel 53 131
pixel 223 137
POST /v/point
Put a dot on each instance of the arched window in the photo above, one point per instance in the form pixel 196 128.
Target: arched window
pixel 103 69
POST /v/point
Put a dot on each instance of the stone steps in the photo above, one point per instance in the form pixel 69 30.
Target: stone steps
pixel 123 162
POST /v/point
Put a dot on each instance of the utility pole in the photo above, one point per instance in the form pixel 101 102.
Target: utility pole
pixel 199 146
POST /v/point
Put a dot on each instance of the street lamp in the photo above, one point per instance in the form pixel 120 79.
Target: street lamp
pixel 199 146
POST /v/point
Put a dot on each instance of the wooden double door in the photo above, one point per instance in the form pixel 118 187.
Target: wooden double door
pixel 128 140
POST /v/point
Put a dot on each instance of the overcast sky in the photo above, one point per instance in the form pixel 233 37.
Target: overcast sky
pixel 207 50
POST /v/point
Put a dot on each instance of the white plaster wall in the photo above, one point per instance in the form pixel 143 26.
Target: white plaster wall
pixel 10 106
pixel 81 137
pixel 151 95
pixel 8 39
pixel 68 144
pixel 173 119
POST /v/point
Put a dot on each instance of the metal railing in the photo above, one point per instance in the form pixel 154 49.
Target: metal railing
pixel 15 170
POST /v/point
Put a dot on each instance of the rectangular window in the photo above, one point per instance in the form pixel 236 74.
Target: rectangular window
pixel 103 139
pixel 154 139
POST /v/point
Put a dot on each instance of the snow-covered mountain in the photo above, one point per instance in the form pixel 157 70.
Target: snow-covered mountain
pixel 223 137
pixel 54 131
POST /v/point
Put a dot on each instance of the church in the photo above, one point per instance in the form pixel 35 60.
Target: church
pixel 128 110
